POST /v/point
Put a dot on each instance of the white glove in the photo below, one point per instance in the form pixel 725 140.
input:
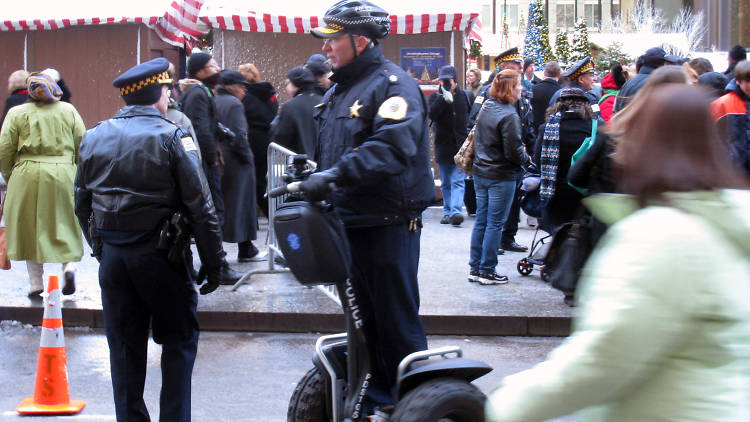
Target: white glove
pixel 447 96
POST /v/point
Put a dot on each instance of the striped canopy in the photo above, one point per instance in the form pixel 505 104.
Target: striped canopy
pixel 181 21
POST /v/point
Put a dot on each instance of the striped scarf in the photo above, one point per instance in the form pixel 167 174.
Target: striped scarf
pixel 42 88
pixel 550 157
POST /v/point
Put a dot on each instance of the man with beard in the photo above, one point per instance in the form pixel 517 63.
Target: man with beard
pixel 198 104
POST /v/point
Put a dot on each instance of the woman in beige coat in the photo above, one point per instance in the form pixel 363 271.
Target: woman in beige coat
pixel 38 149
pixel 663 332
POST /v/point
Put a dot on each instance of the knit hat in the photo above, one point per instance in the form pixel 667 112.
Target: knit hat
pixel 318 68
pixel 196 62
pixel 300 77
pixel 738 53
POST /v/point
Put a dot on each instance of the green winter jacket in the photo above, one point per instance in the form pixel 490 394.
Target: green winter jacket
pixel 663 328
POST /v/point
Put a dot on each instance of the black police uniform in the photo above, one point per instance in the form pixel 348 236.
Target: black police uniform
pixel 134 171
pixel 579 68
pixel 373 131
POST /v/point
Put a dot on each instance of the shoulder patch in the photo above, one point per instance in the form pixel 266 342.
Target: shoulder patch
pixel 479 100
pixel 188 144
pixel 393 108
pixel 393 79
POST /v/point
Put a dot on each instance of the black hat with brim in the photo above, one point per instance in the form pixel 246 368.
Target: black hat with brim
pixel 509 55
pixel 141 84
pixel 232 77
pixel 580 67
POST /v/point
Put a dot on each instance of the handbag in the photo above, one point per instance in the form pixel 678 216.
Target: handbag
pixel 568 253
pixel 585 146
pixel 464 158
pixel 4 259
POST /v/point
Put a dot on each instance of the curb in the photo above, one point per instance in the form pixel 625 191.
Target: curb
pixel 295 322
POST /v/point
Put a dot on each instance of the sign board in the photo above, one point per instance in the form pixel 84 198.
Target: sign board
pixel 423 64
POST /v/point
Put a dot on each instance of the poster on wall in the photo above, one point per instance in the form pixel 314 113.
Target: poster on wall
pixel 423 64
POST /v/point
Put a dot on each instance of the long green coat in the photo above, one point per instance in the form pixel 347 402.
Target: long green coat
pixel 38 152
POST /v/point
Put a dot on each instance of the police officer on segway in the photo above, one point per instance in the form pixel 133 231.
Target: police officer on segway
pixel 139 192
pixel 373 144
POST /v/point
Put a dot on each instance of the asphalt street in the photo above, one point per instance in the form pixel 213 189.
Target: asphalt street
pixel 237 377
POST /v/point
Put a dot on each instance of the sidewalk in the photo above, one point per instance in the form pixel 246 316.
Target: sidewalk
pixel 450 305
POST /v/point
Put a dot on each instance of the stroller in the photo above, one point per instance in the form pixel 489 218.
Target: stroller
pixel 532 205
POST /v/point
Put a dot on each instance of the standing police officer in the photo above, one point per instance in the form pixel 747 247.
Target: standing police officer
pixel 373 143
pixel 134 172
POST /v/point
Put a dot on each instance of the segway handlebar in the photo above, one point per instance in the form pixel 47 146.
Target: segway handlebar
pixel 283 190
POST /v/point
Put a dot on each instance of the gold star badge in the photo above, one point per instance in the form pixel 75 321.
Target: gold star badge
pixel 354 109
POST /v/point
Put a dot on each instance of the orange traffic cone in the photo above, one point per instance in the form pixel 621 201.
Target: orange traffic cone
pixel 51 388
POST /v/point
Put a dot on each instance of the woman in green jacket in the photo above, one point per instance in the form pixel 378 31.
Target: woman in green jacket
pixel 663 332
pixel 38 149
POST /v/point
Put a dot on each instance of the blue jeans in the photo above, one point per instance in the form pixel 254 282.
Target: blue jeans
pixel 494 198
pixel 452 185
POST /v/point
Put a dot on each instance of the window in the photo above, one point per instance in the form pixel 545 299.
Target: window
pixel 486 15
pixel 565 16
pixel 593 15
pixel 614 7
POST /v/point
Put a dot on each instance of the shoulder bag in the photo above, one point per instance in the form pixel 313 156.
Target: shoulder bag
pixel 464 158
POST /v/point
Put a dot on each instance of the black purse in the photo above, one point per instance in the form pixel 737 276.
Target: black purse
pixel 569 250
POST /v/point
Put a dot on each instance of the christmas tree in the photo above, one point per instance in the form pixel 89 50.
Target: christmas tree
pixel 562 48
pixel 536 44
pixel 580 45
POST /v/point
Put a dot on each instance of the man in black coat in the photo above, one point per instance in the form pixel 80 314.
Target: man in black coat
pixel 449 111
pixel 294 127
pixel 653 59
pixel 543 91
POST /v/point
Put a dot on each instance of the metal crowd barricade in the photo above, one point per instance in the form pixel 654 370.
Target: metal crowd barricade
pixel 277 164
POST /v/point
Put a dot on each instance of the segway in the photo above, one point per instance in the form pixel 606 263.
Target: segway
pixel 432 385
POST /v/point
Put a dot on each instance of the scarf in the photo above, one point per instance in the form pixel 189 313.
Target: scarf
pixel 550 157
pixel 42 88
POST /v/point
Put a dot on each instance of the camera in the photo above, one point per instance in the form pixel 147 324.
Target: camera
pixel 446 84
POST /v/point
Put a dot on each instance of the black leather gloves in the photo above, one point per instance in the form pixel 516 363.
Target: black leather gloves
pixel 317 185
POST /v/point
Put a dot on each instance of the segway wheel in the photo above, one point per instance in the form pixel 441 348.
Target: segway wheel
pixel 524 267
pixel 441 399
pixel 308 402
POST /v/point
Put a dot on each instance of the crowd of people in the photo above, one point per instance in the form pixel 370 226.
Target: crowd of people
pixel 659 323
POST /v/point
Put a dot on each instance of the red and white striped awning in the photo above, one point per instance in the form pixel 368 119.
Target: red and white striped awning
pixel 180 21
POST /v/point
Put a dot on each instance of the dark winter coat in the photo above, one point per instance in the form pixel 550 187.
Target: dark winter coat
pixel 373 129
pixel 238 181
pixel 261 107
pixel 294 127
pixel 565 204
pixel 542 92
pixel 449 124
pixel 498 151
pixel 592 97
pixel 732 114
pixel 197 103
pixel 18 97
pixel 594 170
pixel 631 87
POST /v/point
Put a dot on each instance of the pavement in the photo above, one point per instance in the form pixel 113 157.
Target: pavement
pixel 450 305
pixel 246 376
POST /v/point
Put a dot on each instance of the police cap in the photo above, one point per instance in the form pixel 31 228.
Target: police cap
pixel 141 84
pixel 510 55
pixel 580 67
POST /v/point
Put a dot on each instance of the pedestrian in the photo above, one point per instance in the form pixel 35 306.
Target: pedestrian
pixel 19 94
pixel 611 85
pixel 715 82
pixel 653 59
pixel 449 111
pixel 293 127
pixel 581 75
pixel 473 83
pixel 701 65
pixel 151 165
pixel 261 106
pixel 529 78
pixel 374 144
pixel 55 74
pixel 321 70
pixel 499 157
pixel 38 149
pixel 660 76
pixel 730 112
pixel 568 123
pixel 543 91
pixel 736 55
pixel 238 178
pixel 173 109
pixel 654 341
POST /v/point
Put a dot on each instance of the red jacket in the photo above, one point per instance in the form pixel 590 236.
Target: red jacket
pixel 730 112
pixel 607 105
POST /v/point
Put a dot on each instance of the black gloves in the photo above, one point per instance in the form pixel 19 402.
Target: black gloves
pixel 213 279
pixel 317 185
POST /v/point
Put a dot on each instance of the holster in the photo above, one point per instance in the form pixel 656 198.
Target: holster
pixel 174 237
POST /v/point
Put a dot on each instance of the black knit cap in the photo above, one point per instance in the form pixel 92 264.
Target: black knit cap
pixel 196 62
pixel 300 77
pixel 738 53
pixel 141 85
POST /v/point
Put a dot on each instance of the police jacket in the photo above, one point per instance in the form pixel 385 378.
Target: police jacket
pixel 593 98
pixel 198 104
pixel 373 129
pixel 135 170
pixel 498 151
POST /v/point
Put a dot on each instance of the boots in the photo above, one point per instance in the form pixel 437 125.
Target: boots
pixel 247 252
pixel 35 270
pixel 228 276
pixel 69 272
